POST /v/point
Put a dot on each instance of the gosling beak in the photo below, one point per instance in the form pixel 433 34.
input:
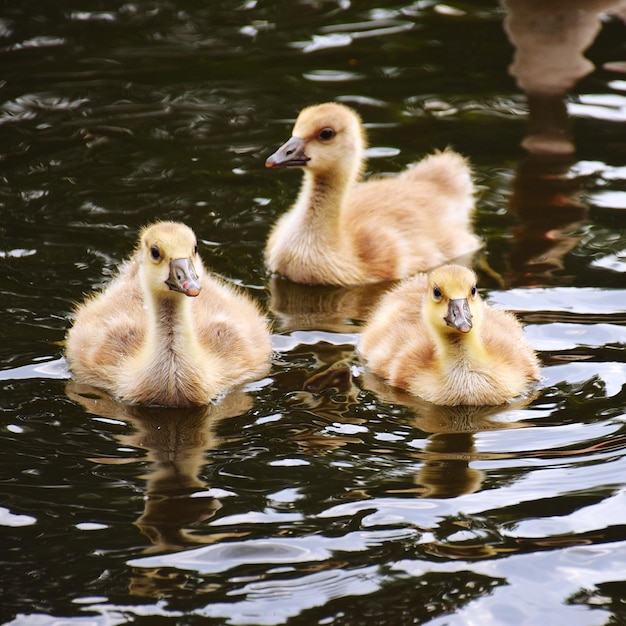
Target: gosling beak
pixel 290 154
pixel 459 315
pixel 183 277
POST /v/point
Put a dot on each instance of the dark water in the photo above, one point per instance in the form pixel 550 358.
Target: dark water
pixel 315 496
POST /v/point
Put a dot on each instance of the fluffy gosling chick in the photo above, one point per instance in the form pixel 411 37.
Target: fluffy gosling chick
pixel 166 332
pixel 435 337
pixel 341 231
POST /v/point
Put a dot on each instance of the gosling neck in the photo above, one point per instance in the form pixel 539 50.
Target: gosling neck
pixel 458 347
pixel 321 199
pixel 169 325
pixel 324 193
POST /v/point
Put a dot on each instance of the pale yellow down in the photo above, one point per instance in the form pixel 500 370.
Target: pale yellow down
pixel 148 344
pixel 479 357
pixel 341 231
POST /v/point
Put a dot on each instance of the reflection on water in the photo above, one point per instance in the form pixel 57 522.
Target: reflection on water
pixel 337 309
pixel 449 448
pixel 546 196
pixel 178 444
pixel 548 201
pixel 319 495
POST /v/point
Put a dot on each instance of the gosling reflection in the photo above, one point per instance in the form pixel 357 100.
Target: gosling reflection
pixel 322 307
pixel 446 471
pixel 176 441
pixel 547 198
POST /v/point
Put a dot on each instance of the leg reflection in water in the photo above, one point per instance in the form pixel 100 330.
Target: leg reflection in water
pixel 550 39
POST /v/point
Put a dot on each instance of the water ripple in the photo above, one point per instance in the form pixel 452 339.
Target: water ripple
pixel 228 556
pixel 274 602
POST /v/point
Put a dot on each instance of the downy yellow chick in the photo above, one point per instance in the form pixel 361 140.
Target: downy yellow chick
pixel 166 332
pixel 433 336
pixel 341 231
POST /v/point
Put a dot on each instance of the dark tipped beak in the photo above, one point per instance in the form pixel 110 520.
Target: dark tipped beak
pixel 459 315
pixel 290 154
pixel 183 277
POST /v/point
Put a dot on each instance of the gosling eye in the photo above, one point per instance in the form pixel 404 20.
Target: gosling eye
pixel 326 134
pixel 473 291
pixel 155 253
pixel 437 293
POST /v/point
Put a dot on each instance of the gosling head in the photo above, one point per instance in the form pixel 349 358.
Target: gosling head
pixel 452 303
pixel 326 137
pixel 168 253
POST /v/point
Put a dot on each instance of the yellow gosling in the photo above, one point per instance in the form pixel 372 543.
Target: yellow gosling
pixel 341 231
pixel 166 332
pixel 433 336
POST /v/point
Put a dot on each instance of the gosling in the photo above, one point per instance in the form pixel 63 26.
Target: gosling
pixel 434 337
pixel 341 231
pixel 164 331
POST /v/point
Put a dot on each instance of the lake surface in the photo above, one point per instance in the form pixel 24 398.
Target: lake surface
pixel 316 495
